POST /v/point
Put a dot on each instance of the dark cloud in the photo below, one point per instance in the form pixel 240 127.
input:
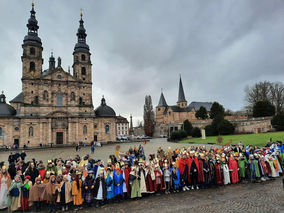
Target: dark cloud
pixel 139 47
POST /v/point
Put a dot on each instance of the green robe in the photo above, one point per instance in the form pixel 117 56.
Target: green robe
pixel 242 167
pixel 257 171
pixel 135 188
pixel 256 167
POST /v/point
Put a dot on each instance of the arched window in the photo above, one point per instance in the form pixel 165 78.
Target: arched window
pixel 36 100
pixel 80 101
pixel 107 129
pixel 83 57
pixel 32 66
pixel 1 131
pixel 73 98
pixel 31 131
pixel 59 100
pixel 85 130
pixel 83 70
pixel 45 95
pixel 32 51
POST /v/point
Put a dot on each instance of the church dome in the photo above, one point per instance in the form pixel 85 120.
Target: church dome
pixel 5 109
pixel 104 110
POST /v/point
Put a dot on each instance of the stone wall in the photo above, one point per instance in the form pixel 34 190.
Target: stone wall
pixel 244 125
pixel 44 130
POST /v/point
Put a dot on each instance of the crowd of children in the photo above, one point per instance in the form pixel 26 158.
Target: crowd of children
pixel 76 183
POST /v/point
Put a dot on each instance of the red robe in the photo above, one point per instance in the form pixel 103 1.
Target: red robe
pixel 268 168
pixel 149 183
pixel 233 165
pixel 41 173
pixel 126 173
pixel 265 169
pixel 219 174
pixel 189 162
pixel 198 170
pixel 182 163
pixel 155 183
pixel 201 178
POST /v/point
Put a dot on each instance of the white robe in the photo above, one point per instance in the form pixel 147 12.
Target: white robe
pixel 3 193
pixel 143 187
pixel 100 192
pixel 226 174
pixel 124 182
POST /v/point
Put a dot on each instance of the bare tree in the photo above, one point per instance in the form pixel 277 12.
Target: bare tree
pixel 266 91
pixel 277 95
pixel 259 92
pixel 148 116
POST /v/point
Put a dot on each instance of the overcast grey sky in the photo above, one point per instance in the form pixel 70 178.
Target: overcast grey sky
pixel 138 47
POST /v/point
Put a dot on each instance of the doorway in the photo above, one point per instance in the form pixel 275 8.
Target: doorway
pixel 16 142
pixel 59 137
pixel 95 138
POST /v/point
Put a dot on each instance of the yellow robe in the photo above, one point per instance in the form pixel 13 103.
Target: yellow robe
pixel 276 165
pixel 77 193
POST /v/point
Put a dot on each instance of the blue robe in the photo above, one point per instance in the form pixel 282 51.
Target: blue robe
pixel 109 186
pixel 118 179
pixel 177 180
pixel 132 157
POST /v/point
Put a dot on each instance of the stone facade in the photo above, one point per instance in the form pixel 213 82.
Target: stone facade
pixel 171 118
pixel 122 126
pixel 242 125
pixel 180 112
pixel 56 106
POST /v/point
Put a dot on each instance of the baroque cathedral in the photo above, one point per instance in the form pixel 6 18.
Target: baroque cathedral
pixel 55 106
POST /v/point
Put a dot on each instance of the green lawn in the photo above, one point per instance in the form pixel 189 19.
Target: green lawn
pixel 252 139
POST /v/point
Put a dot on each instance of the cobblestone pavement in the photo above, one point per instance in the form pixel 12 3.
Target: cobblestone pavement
pixel 100 152
pixel 265 197
pixel 259 197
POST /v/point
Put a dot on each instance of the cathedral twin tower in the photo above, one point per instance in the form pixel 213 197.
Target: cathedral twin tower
pixel 55 106
pixel 33 75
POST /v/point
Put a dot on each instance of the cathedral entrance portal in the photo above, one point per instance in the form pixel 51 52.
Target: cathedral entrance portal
pixel 59 137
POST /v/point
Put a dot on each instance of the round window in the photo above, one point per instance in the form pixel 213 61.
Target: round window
pixel 17 129
pixel 59 76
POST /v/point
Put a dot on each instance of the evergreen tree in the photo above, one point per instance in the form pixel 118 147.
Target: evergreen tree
pixel 263 108
pixel 216 109
pixel 201 113
pixel 187 126
pixel 278 122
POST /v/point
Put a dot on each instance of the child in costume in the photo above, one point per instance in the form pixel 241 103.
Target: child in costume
pixel 36 194
pixel 5 182
pixel 109 184
pixel 14 194
pixel 77 191
pixel 25 193
pixel 100 188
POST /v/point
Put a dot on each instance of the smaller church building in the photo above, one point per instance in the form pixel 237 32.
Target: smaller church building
pixel 170 118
